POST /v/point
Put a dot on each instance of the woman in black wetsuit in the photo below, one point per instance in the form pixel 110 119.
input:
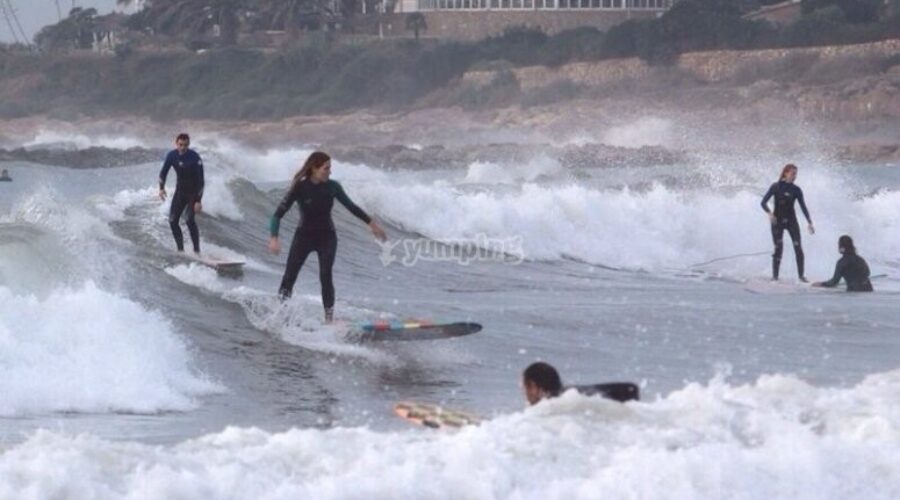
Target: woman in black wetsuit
pixel 851 267
pixel 783 217
pixel 315 193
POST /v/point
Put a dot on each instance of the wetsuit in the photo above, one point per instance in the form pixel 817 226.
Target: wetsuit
pixel 188 190
pixel 316 232
pixel 785 193
pixel 855 272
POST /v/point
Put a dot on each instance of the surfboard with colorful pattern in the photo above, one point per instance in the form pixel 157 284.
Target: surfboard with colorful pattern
pixel 415 330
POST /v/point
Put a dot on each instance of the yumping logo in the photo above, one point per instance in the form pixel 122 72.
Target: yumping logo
pixel 409 251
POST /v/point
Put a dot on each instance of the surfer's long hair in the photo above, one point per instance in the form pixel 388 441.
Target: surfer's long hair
pixel 315 161
pixel 787 168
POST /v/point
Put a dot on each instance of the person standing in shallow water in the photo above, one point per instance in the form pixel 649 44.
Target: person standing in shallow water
pixel 314 192
pixel 851 267
pixel 188 190
pixel 783 217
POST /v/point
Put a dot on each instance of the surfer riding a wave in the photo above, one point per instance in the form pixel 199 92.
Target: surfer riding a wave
pixel 314 192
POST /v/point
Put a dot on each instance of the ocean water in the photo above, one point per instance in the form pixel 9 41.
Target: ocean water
pixel 128 371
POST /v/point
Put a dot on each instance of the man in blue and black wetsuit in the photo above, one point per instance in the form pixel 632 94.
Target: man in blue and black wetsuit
pixel 785 193
pixel 188 189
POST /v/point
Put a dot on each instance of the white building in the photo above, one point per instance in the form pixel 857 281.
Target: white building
pixel 545 5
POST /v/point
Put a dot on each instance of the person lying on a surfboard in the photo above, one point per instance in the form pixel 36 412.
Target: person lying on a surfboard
pixel 541 381
pixel 851 267
pixel 314 193
pixel 188 189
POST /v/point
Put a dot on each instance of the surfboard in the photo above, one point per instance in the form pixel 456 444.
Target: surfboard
pixel 413 330
pixel 617 391
pixel 216 262
pixel 434 416
pixel 769 287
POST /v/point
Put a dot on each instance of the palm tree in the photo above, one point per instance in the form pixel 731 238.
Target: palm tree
pixel 292 15
pixel 193 17
pixel 74 32
pixel 83 23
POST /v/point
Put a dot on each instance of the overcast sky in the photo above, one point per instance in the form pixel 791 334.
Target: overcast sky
pixel 34 14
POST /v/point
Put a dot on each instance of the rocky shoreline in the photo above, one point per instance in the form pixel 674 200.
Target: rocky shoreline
pixel 837 103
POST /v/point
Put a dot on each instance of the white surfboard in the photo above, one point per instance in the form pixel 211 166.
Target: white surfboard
pixel 216 262
pixel 769 287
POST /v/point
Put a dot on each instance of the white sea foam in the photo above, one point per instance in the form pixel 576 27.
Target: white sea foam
pixel 777 438
pixel 88 350
pixel 656 228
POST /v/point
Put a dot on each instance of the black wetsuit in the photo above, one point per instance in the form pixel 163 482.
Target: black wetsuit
pixel 188 190
pixel 316 232
pixel 855 272
pixel 785 193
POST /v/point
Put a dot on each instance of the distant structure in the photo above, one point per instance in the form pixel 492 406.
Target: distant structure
pixel 534 5
pixel 108 32
pixel 783 13
pixel 477 19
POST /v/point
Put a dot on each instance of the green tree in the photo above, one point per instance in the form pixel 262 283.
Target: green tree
pixel 74 32
pixel 861 11
pixel 295 15
pixel 192 18
pixel 855 11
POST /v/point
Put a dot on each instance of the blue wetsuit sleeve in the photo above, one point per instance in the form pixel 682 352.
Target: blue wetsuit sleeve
pixel 765 201
pixel 164 171
pixel 838 274
pixel 803 205
pixel 345 200
pixel 201 181
pixel 283 207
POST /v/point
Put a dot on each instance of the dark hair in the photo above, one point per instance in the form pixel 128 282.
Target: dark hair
pixel 183 137
pixel 846 242
pixel 544 376
pixel 315 160
pixel 784 171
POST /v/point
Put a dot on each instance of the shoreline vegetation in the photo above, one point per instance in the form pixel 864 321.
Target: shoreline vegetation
pixel 320 72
